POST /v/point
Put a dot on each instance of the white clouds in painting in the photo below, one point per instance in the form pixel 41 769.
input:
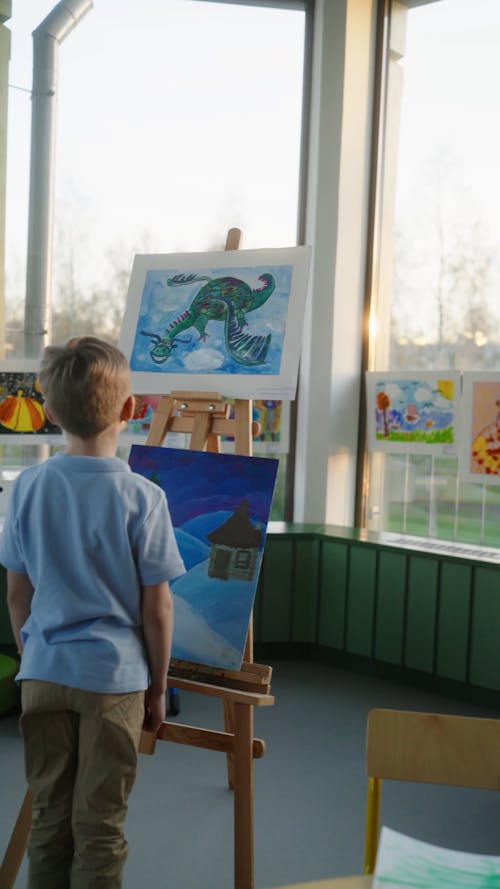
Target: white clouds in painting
pixel 204 360
pixel 423 393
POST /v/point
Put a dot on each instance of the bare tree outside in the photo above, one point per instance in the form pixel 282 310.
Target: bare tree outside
pixel 445 261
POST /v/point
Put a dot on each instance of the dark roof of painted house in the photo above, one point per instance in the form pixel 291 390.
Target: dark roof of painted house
pixel 237 530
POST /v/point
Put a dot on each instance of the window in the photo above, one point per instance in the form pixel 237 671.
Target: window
pixel 175 122
pixel 436 297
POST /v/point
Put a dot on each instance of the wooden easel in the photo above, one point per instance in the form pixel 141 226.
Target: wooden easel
pixel 205 416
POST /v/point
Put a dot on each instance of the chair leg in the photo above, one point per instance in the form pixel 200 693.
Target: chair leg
pixel 372 823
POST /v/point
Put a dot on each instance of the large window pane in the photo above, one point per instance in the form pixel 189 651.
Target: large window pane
pixel 176 120
pixel 439 265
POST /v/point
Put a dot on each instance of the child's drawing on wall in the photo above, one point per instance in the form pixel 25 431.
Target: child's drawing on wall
pixel 21 405
pixel 412 412
pixel 485 429
pixel 145 408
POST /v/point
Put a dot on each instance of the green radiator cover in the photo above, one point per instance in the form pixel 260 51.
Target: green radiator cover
pixel 429 615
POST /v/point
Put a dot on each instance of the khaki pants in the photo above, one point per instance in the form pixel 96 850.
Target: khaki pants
pixel 81 759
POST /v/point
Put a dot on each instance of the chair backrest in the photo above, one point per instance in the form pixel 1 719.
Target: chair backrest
pixel 427 747
pixel 434 748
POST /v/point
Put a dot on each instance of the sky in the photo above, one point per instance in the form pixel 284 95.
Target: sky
pixel 181 122
pixel 176 120
pixel 449 145
pixel 200 483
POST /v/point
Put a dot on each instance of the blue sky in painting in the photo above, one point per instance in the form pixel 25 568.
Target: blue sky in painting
pixel 203 490
pixel 161 304
pixel 197 483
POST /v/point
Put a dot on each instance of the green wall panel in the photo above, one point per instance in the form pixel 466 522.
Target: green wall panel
pixel 453 620
pixel 332 593
pixel 360 600
pixel 305 590
pixel 423 611
pixel 485 642
pixel 421 614
pixel 389 619
pixel 275 593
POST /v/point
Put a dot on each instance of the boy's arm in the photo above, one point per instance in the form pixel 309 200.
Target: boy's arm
pixel 19 595
pixel 157 625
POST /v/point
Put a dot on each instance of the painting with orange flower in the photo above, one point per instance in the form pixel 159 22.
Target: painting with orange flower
pixel 21 403
pixel 480 455
pixel 413 412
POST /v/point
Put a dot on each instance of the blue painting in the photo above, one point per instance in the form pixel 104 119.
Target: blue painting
pixel 213 320
pixel 220 505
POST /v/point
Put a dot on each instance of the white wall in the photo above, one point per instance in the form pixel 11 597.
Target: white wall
pixel 336 221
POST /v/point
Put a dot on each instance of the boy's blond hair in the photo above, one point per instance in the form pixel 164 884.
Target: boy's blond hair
pixel 85 384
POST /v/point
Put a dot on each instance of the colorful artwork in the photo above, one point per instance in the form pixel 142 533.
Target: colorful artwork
pixel 269 416
pixel 413 412
pixel 21 403
pixel 480 455
pixel 220 505
pixel 267 413
pixel 228 322
pixel 145 407
pixel 415 864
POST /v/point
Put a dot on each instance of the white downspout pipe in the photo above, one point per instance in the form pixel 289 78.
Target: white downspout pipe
pixel 46 39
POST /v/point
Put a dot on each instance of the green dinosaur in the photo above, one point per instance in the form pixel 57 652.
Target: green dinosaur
pixel 220 299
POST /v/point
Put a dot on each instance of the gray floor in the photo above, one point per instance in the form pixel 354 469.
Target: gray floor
pixel 309 790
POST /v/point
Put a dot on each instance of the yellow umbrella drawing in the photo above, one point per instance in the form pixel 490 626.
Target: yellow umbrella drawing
pixel 21 414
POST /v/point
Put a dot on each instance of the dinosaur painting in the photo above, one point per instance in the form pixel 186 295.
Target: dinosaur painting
pixel 228 322
pixel 226 299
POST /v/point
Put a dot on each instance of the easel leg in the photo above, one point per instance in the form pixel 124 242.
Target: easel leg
pixel 17 845
pixel 243 797
pixel 228 709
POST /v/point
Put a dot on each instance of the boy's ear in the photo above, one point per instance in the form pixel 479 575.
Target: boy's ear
pixel 50 416
pixel 128 409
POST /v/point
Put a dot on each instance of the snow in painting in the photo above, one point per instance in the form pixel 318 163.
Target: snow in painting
pixel 220 505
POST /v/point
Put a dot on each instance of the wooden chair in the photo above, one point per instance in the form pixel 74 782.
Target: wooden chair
pixel 462 751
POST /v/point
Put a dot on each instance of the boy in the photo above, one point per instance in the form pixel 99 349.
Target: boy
pixel 89 550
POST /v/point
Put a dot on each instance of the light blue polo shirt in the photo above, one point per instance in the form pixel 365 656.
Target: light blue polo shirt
pixel 89 533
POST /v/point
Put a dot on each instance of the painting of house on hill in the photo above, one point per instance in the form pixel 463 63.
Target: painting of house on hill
pixel 235 546
pixel 220 505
